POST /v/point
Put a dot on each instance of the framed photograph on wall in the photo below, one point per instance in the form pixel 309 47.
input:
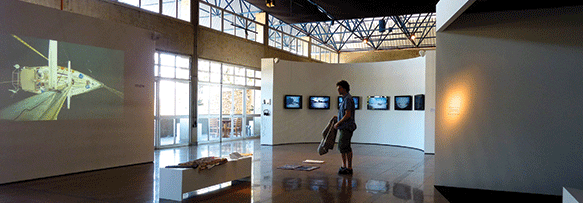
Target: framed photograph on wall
pixel 356 101
pixel 292 102
pixel 377 102
pixel 403 103
pixel 319 102
pixel 420 102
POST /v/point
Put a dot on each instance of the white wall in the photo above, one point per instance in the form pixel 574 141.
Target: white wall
pixel 35 149
pixel 267 101
pixel 509 94
pixel 430 102
pixel 394 78
pixel 449 10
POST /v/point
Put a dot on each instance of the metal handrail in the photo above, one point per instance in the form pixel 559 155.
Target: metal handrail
pixel 271 37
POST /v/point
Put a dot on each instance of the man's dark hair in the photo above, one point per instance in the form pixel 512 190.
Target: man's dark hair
pixel 344 85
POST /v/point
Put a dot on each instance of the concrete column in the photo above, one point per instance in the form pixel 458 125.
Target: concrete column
pixel 194 7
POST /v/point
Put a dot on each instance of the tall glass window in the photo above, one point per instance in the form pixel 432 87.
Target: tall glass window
pixel 228 101
pixel 172 102
pixel 174 8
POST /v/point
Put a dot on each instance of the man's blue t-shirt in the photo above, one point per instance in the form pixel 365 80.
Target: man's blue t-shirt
pixel 347 104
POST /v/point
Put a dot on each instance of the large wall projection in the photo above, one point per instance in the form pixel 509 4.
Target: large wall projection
pixel 57 118
pixel 48 80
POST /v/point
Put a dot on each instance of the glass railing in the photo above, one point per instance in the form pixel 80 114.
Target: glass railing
pixel 291 39
pixel 222 20
pixel 228 22
pixel 324 54
pixel 299 46
pixel 287 42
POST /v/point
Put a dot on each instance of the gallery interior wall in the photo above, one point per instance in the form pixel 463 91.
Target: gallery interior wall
pixel 175 35
pixel 509 94
pixel 211 46
pixel 430 101
pixel 35 149
pixel 393 78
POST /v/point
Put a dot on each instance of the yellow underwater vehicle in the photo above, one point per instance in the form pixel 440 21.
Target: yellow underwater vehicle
pixel 52 84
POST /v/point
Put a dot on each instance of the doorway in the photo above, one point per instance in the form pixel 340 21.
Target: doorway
pixel 172 100
pixel 227 97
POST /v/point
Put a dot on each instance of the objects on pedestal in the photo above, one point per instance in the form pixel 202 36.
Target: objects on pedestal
pixel 174 182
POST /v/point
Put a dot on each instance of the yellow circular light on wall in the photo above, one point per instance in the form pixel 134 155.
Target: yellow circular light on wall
pixel 457 98
pixel 454 106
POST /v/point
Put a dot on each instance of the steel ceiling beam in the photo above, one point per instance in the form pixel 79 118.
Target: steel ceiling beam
pixel 336 38
pixel 343 33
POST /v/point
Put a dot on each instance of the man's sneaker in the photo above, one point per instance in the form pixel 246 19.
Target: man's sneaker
pixel 349 171
pixel 345 171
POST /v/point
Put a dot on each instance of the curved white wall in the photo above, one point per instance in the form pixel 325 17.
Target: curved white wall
pixel 393 78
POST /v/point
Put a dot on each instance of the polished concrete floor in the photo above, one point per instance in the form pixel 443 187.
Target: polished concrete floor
pixel 381 174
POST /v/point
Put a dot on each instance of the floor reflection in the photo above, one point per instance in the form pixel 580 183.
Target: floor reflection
pixel 382 173
pixel 345 187
pixel 377 186
pixel 290 184
pixel 402 191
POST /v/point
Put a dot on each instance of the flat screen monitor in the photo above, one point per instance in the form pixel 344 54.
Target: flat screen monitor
pixel 292 102
pixel 403 102
pixel 377 103
pixel 420 102
pixel 356 101
pixel 319 102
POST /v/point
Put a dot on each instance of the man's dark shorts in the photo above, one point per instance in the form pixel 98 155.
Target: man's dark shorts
pixel 344 141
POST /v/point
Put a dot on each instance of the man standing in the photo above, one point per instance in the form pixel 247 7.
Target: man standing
pixel 346 126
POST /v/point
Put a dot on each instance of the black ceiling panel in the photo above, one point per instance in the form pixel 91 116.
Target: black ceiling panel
pixel 302 11
pixel 499 5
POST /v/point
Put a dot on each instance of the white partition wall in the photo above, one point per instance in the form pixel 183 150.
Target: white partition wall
pixel 450 10
pixel 394 78
pixel 430 102
pixel 572 195
pixel 93 133
pixel 267 105
pixel 509 96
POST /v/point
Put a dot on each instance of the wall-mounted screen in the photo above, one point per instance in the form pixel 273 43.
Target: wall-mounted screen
pixel 293 102
pixel 420 102
pixel 319 102
pixel 403 103
pixel 377 103
pixel 43 79
pixel 356 101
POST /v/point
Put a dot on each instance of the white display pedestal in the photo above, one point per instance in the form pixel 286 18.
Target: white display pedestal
pixel 571 195
pixel 174 182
